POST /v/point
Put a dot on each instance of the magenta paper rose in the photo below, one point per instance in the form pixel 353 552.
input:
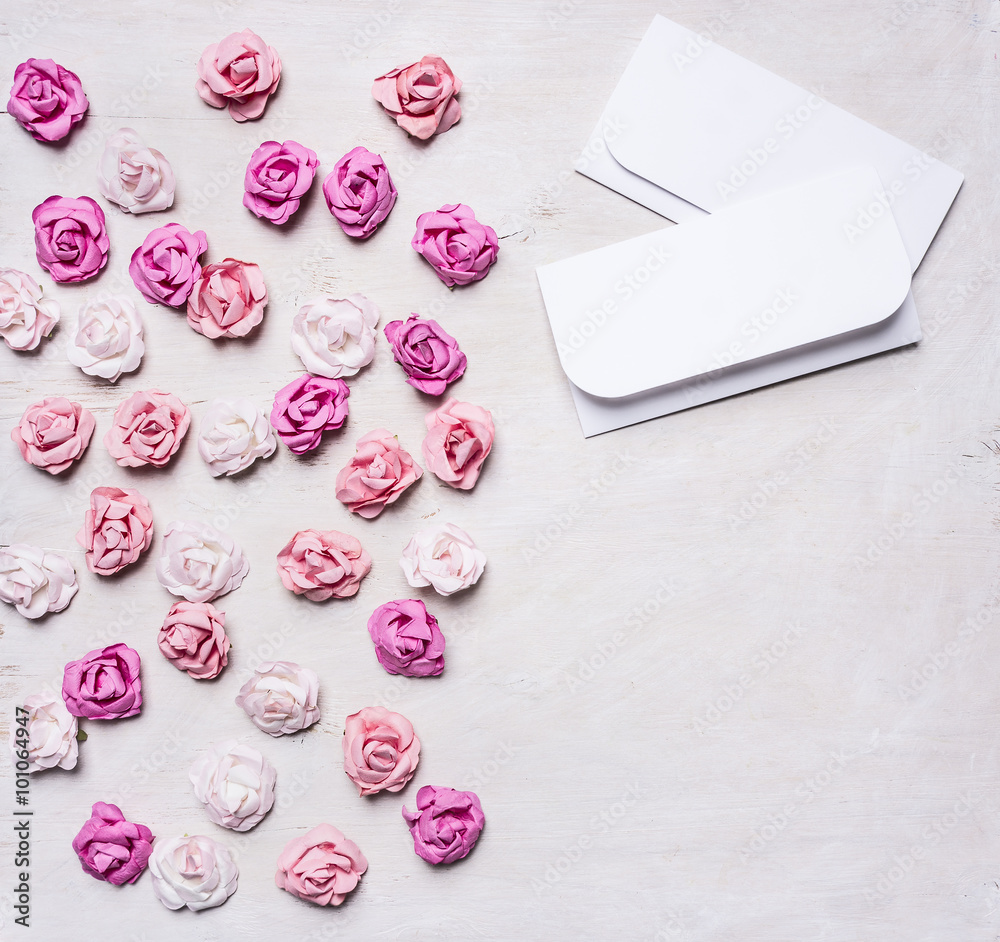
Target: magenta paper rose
pixel 46 100
pixel 377 474
pixel 306 408
pixel 428 354
pixel 228 299
pixel 381 751
pixel 407 639
pixel 165 267
pixel 25 314
pixel 71 241
pixel 321 867
pixel 457 246
pixel 446 824
pixel 111 848
pixel 147 429
pixel 53 433
pixel 117 530
pixel 323 564
pixel 277 178
pixel 421 96
pixel 104 684
pixel 242 72
pixel 193 638
pixel 359 192
pixel 459 437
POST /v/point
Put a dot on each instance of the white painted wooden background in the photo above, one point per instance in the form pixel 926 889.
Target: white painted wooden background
pixel 688 708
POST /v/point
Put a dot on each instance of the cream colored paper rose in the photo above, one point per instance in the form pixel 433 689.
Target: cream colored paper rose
pixel 134 176
pixel 108 339
pixel 35 581
pixel 199 563
pixel 335 337
pixel 234 433
pixel 48 736
pixel 443 556
pixel 280 698
pixel 25 314
pixel 235 783
pixel 195 872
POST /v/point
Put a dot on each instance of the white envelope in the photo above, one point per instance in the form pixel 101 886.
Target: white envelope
pixel 693 129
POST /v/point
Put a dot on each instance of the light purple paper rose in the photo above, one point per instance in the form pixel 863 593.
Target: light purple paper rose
pixel 455 244
pixel 277 178
pixel 359 192
pixel 306 408
pixel 46 100
pixel 165 267
pixel 407 639
pixel 446 824
pixel 429 355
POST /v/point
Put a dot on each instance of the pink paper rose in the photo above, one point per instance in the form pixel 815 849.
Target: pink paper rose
pixel 228 299
pixel 193 638
pixel 459 437
pixel 457 246
pixel 359 192
pixel 377 474
pixel 53 433
pixel 323 564
pixel 306 408
pixel 104 684
pixel 25 314
pixel 111 848
pixel 46 100
pixel 427 353
pixel 407 639
pixel 148 428
pixel 277 178
pixel 165 267
pixel 421 96
pixel 446 824
pixel 117 530
pixel 242 72
pixel 320 867
pixel 381 751
pixel 71 241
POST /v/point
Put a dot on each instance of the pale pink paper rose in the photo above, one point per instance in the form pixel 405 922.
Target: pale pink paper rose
pixel 306 408
pixel 455 244
pixel 25 314
pixel 228 300
pixel 446 824
pixel 196 872
pixel 47 100
pixel 193 638
pixel 44 737
pixel 320 867
pixel 335 337
pixel 233 434
pixel 381 751
pixel 117 530
pixel 235 783
pixel 108 340
pixel 53 433
pixel 277 178
pixel 377 475
pixel 359 192
pixel 71 240
pixel 111 848
pixel 420 96
pixel 134 177
pixel 147 429
pixel 459 437
pixel 199 563
pixel 165 267
pixel 104 684
pixel 323 564
pixel 36 581
pixel 240 72
pixel 280 698
pixel 442 556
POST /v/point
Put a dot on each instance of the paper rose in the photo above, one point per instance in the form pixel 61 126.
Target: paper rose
pixel 108 339
pixel 359 192
pixel 25 315
pixel 35 581
pixel 46 100
pixel 165 267
pixel 421 96
pixel 118 528
pixel 459 437
pixel 320 867
pixel 193 638
pixel 335 337
pixel 195 872
pixel 53 433
pixel 44 737
pixel 242 72
pixel 235 783
pixel 71 241
pixel 147 429
pixel 306 408
pixel 198 563
pixel 234 433
pixel 457 246
pixel 277 178
pixel 407 639
pixel 104 684
pixel 381 751
pixel 323 564
pixel 228 300
pixel 111 848
pixel 377 475
pixel 280 698
pixel 427 353
pixel 133 176
pixel 446 824
pixel 442 556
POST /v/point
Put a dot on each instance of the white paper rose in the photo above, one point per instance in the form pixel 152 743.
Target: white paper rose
pixel 196 872
pixel 280 698
pixel 236 785
pixel 134 176
pixel 233 434
pixel 335 337
pixel 25 315
pixel 443 556
pixel 35 581
pixel 199 563
pixel 108 339
pixel 48 736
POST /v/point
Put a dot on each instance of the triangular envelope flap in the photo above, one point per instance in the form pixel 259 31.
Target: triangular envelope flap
pixel 765 276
